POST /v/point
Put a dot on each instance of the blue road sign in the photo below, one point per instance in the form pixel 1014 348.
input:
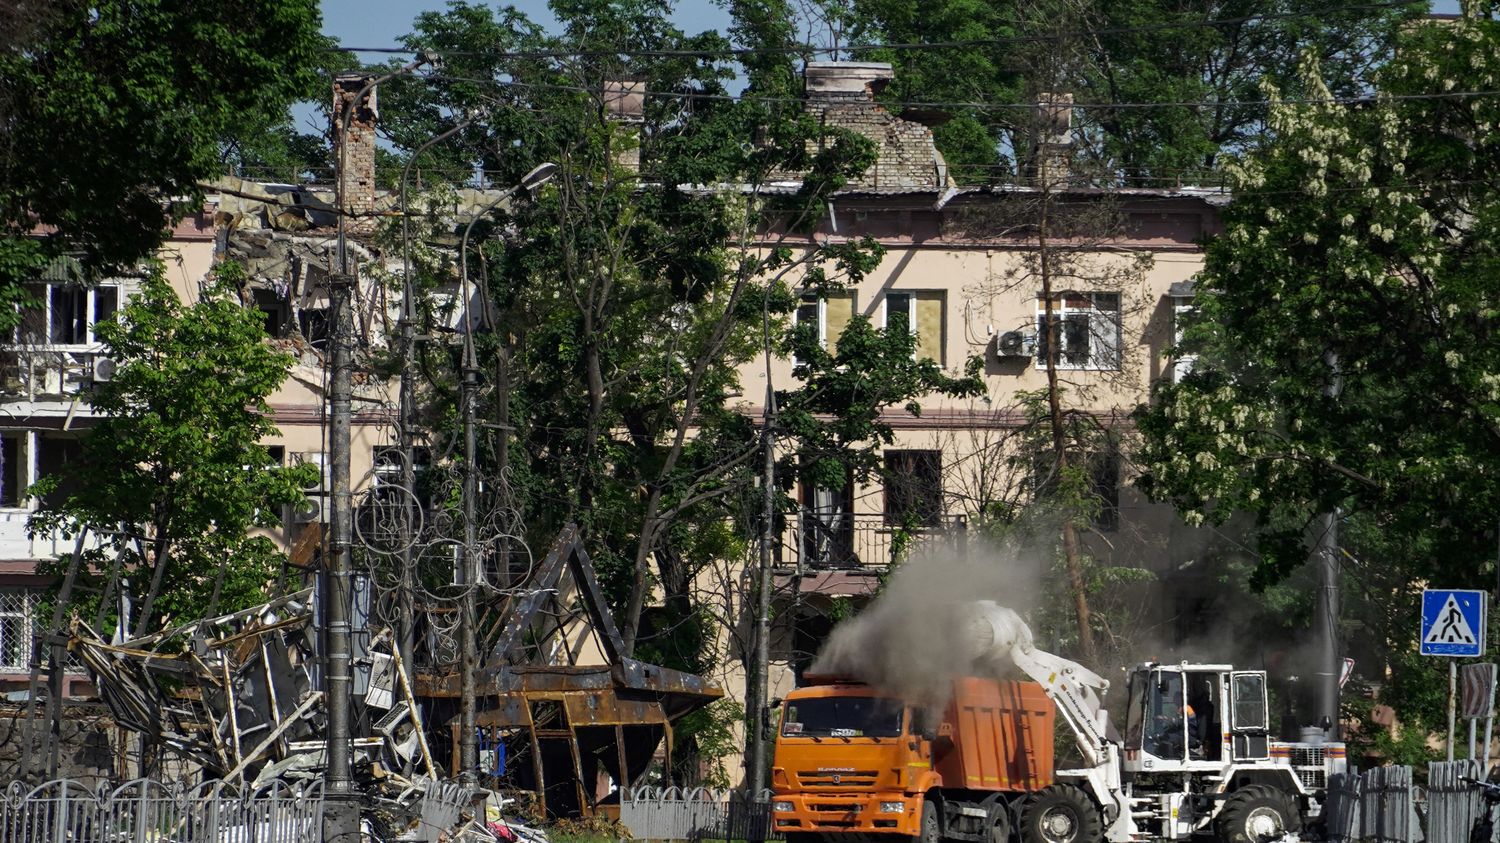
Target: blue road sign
pixel 1453 622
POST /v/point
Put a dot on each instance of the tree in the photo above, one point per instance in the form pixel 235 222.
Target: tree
pixel 174 476
pixel 1141 51
pixel 111 113
pixel 624 300
pixel 1344 346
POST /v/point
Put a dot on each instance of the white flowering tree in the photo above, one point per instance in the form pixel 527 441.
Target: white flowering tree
pixel 1346 332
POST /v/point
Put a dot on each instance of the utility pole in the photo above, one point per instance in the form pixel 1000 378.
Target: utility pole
pixel 757 678
pixel 1326 612
pixel 341 815
pixel 468 745
pixel 341 804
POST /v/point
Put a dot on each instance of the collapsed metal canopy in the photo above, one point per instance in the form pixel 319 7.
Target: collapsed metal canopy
pixel 571 734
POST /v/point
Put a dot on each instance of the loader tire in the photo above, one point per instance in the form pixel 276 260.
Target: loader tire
pixel 1061 813
pixel 1255 813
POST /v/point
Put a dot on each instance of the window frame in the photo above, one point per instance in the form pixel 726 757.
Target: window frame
pixel 1062 311
pixel 45 292
pixel 908 488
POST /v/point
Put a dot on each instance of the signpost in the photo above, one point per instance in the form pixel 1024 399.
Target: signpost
pixel 1453 622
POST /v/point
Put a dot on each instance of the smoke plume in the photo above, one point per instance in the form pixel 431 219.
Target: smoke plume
pixel 913 640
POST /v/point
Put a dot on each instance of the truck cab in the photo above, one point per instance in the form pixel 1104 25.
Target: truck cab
pixel 848 759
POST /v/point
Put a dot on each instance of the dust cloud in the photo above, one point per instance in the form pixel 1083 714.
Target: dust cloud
pixel 915 638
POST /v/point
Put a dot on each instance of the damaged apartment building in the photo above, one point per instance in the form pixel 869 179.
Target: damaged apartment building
pixel 959 272
pixel 571 722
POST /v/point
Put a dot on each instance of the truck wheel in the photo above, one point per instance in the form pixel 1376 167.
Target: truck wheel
pixel 1060 813
pixel 931 832
pixel 999 821
pixel 1255 813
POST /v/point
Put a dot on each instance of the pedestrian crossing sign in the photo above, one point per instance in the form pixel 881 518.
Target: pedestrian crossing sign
pixel 1453 622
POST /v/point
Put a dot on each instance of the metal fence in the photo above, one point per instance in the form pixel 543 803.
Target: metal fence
pixel 1384 806
pixel 699 813
pixel 146 811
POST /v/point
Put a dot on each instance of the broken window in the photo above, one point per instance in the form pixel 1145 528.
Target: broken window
pixel 831 315
pixel 913 488
pixel 55 452
pixel 66 314
pixel 313 322
pixel 17 626
pixel 13 473
pixel 921 313
pixel 276 311
pixel 1085 328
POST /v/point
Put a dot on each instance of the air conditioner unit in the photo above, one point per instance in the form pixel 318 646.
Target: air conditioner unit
pixel 307 512
pixel 1015 344
pixel 104 369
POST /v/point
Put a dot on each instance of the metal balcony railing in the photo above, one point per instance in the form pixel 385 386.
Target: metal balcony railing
pixel 821 542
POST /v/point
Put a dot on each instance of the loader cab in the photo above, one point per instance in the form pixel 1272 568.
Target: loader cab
pixel 1194 717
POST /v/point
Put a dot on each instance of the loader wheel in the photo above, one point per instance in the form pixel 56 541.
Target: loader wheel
pixel 1253 814
pixel 1060 814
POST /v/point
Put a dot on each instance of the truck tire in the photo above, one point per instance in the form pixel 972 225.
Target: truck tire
pixel 1255 813
pixel 932 831
pixel 1061 813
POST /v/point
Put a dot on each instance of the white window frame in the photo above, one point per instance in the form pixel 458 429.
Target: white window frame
pixel 911 314
pixel 822 303
pixel 19 604
pixel 91 342
pixel 1182 306
pixel 1061 311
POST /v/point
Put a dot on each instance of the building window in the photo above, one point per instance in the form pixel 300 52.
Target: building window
pixel 831 315
pixel 1085 328
pixel 13 469
pixel 17 628
pixel 1103 489
pixel 66 314
pixel 1182 308
pixel 922 313
pixel 913 488
pixel 313 322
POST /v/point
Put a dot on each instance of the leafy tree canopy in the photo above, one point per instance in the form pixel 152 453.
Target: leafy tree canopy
pixel 1109 51
pixel 1345 342
pixel 110 112
pixel 175 474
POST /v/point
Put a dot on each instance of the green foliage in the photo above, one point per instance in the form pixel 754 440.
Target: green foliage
pixel 1345 337
pixel 1136 51
pixel 174 475
pixel 112 109
pixel 1346 350
pixel 708 734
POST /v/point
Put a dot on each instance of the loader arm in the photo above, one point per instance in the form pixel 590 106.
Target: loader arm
pixel 1001 640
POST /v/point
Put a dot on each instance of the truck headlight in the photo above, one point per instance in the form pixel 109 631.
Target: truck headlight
pixel 781 807
pixel 892 807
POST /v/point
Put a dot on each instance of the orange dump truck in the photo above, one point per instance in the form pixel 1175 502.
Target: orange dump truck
pixel 852 762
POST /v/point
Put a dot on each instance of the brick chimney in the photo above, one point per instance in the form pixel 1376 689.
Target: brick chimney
pixel 357 179
pixel 842 93
pixel 625 103
pixel 1052 121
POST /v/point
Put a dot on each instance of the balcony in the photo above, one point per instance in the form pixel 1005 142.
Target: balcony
pixel 844 542
pixel 30 374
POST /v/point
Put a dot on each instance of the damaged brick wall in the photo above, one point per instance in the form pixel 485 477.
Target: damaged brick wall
pixel 842 94
pixel 357 178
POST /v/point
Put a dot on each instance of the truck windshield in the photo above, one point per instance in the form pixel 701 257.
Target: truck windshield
pixel 842 717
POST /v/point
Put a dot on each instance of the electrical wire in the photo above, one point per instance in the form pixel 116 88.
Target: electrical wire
pixel 811 49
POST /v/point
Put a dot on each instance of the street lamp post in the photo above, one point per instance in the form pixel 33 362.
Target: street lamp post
pixel 406 640
pixel 468 746
pixel 341 811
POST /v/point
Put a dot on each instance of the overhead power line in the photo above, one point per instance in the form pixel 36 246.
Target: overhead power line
pixel 811 49
pixel 1002 106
